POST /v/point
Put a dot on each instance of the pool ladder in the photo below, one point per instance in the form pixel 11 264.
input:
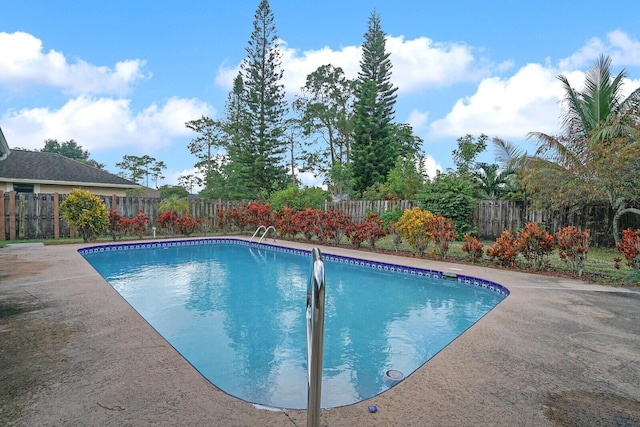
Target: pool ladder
pixel 315 336
pixel 266 230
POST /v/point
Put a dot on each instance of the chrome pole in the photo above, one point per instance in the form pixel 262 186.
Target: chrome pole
pixel 315 336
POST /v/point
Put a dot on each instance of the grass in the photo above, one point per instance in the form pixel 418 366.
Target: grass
pixel 599 265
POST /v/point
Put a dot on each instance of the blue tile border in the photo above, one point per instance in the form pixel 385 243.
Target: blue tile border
pixel 422 272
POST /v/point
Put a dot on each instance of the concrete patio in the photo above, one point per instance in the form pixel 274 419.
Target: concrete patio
pixel 557 351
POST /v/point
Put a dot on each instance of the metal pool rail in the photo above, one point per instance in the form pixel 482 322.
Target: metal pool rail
pixel 266 230
pixel 315 335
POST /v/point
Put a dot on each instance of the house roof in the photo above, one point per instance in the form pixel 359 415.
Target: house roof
pixel 52 168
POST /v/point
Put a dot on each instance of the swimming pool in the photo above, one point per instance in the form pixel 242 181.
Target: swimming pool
pixel 236 312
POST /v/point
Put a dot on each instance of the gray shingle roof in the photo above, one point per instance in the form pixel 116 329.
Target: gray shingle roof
pixel 38 166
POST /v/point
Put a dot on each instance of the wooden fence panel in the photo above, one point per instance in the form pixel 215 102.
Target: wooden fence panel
pixel 493 216
pixel 357 209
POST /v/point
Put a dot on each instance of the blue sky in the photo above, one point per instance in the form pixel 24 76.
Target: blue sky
pixel 122 77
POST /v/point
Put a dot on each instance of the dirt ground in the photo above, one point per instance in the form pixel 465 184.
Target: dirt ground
pixel 556 352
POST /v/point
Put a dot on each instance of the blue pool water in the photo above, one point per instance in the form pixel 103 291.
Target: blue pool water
pixel 237 314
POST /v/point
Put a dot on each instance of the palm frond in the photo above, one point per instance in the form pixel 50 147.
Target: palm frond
pixel 508 155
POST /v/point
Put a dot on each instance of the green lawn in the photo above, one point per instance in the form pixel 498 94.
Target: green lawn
pixel 599 265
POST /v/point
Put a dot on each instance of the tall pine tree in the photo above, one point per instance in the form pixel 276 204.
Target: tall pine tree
pixel 258 155
pixel 374 150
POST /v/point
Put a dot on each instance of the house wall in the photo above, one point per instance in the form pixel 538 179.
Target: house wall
pixel 66 189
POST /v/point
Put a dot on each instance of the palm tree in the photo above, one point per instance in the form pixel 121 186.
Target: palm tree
pixel 594 118
pixel 492 181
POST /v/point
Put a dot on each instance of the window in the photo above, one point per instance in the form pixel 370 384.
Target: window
pixel 23 188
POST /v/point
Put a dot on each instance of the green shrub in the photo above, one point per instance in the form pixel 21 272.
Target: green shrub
pixel 391 215
pixel 86 212
pixel 299 199
pixel 174 203
pixel 452 196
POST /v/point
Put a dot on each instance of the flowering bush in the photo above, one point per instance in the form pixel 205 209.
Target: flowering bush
pixel 117 224
pixel 444 232
pixel 373 228
pixel 356 233
pixel 535 244
pixel 395 234
pixel 187 224
pixel 168 223
pixel 257 214
pixel 505 249
pixel 473 247
pixel 86 212
pixel 573 244
pixel 335 223
pixel 414 226
pixel 138 224
pixel 630 247
pixel 236 217
pixel 308 222
pixel 285 224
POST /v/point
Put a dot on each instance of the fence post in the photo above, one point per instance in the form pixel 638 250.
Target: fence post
pixel 3 231
pixel 56 216
pixel 12 215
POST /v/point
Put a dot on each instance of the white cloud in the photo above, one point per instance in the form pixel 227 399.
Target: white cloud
pixel 421 63
pixel 508 108
pixel 623 50
pixel 104 123
pixel 418 120
pixel 431 166
pixel 298 65
pixel 417 64
pixel 308 179
pixel 24 64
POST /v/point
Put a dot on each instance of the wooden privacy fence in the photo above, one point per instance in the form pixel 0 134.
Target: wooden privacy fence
pixel 493 216
pixel 26 216
pixel 358 209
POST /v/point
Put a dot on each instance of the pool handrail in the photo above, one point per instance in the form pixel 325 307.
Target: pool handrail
pixel 275 232
pixel 266 230
pixel 315 336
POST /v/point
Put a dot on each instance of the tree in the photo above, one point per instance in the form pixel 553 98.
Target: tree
pixel 188 182
pixel 258 157
pixel 156 171
pixel 405 180
pixel 139 167
pixel 167 191
pixel 373 152
pixel 510 159
pixel 132 168
pixel 597 155
pixel 469 148
pixel 72 150
pixel 325 105
pixel 211 137
pixel 292 133
pixel 407 144
pixel 223 180
pixel 491 181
